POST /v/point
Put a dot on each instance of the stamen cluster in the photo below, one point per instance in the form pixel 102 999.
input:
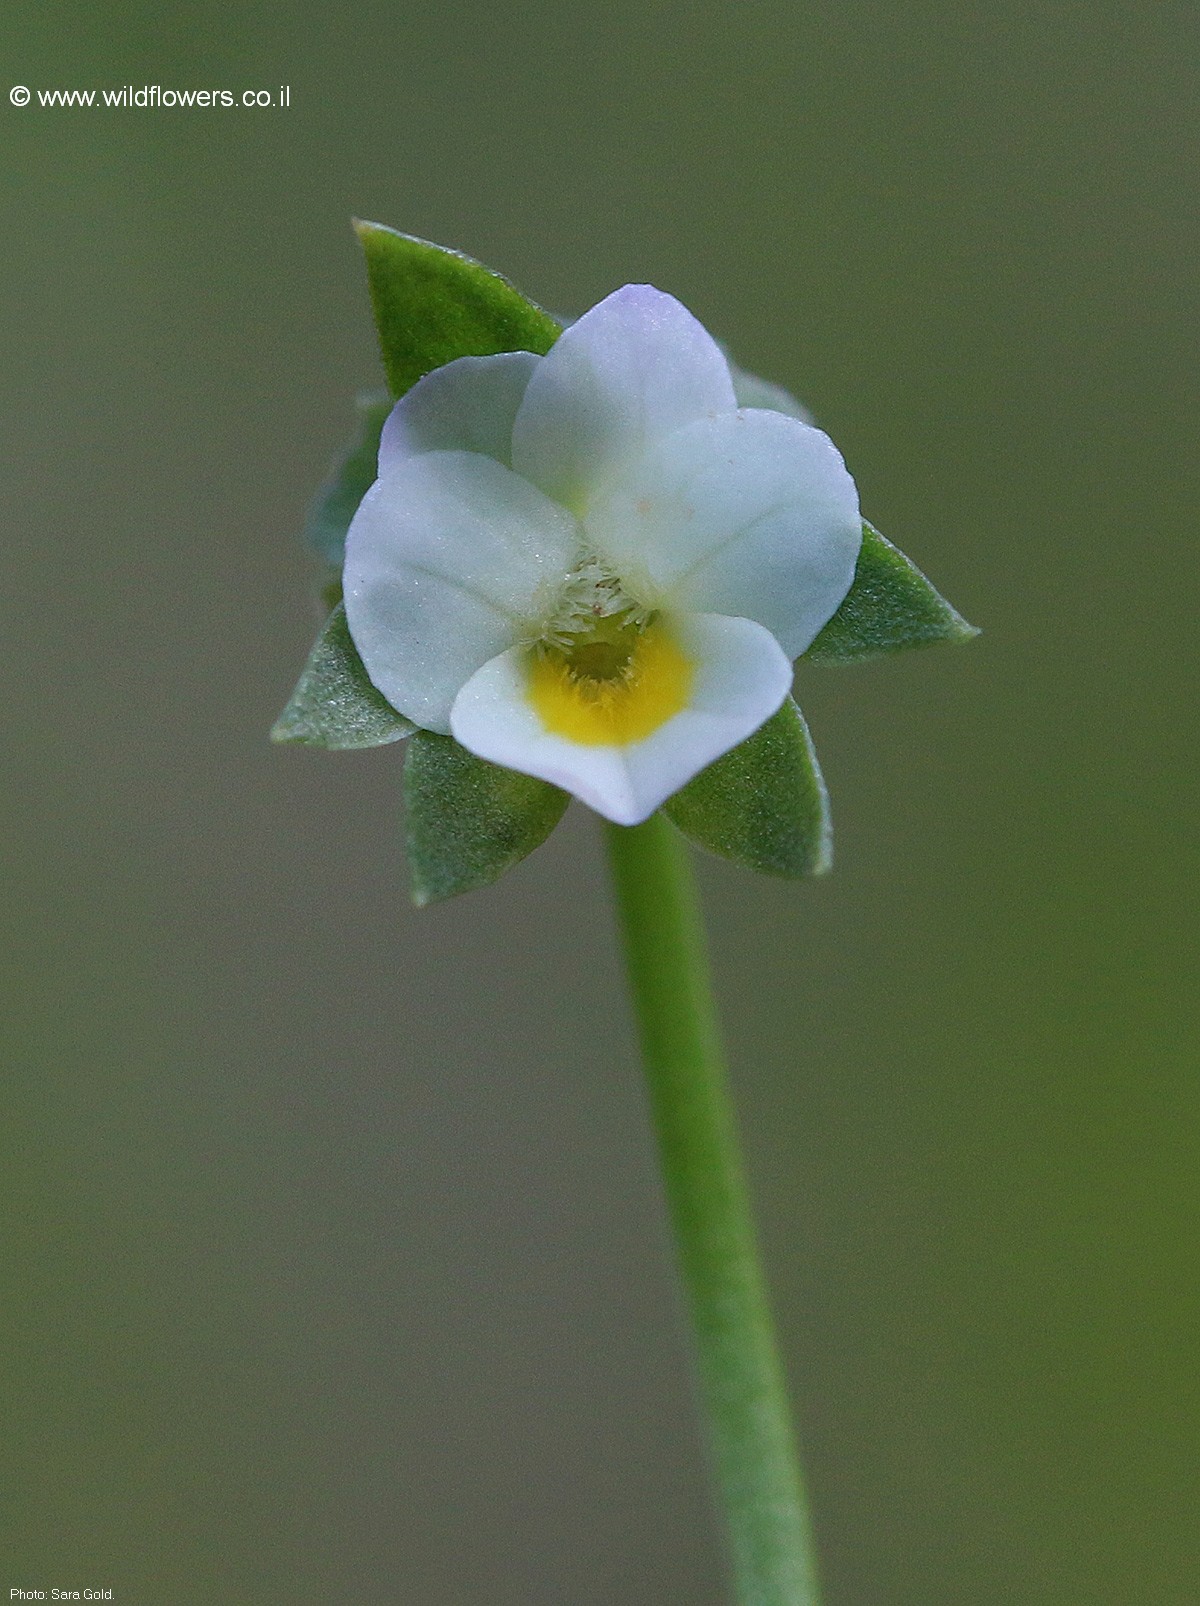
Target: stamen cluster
pixel 591 598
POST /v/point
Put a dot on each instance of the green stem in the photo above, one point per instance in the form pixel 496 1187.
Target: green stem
pixel 741 1378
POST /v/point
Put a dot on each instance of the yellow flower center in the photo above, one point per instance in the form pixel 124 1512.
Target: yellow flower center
pixel 612 687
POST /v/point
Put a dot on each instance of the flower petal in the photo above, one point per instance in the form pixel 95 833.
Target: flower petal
pixel 447 559
pixel 740 676
pixel 635 368
pixel 469 405
pixel 751 513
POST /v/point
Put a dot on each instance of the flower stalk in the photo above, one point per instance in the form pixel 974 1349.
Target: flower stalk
pixel 740 1374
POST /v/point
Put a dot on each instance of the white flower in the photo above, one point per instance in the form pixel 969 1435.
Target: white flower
pixel 593 566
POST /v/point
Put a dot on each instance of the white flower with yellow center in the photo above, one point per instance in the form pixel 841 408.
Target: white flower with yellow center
pixel 593 566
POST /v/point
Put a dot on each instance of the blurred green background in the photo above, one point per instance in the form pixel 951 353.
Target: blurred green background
pixel 335 1266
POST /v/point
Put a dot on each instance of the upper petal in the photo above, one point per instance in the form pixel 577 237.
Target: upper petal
pixel 469 405
pixel 448 558
pixel 750 513
pixel 738 677
pixel 633 369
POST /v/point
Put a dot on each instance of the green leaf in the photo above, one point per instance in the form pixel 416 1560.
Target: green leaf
pixel 890 605
pixel 764 804
pixel 349 481
pixel 334 704
pixel 469 821
pixel 433 305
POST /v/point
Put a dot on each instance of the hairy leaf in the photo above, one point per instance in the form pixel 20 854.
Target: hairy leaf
pixel 433 305
pixel 334 704
pixel 469 821
pixel 349 480
pixel 764 803
pixel 890 605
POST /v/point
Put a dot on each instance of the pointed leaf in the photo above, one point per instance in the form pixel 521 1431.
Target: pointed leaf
pixel 764 804
pixel 433 305
pixel 890 605
pixel 349 480
pixel 469 821
pixel 334 704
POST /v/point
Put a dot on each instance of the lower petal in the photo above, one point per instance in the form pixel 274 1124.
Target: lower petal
pixel 703 684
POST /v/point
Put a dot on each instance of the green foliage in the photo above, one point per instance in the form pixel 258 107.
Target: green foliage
pixel 349 481
pixel 764 804
pixel 890 605
pixel 334 704
pixel 469 821
pixel 433 305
